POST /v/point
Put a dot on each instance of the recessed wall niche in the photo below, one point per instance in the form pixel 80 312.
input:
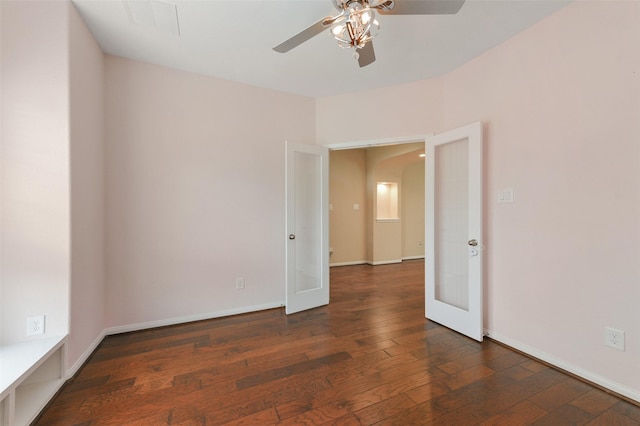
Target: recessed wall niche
pixel 387 201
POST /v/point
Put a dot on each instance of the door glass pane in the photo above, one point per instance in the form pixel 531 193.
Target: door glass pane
pixel 308 221
pixel 451 261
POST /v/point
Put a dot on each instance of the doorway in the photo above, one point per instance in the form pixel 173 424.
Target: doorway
pixel 454 210
pixel 377 204
pixel 453 277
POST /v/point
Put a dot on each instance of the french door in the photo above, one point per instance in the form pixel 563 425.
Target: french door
pixel 307 227
pixel 453 267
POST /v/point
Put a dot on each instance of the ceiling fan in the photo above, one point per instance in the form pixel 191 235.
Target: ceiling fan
pixel 356 25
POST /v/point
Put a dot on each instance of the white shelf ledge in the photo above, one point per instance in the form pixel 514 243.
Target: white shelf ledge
pixel 31 372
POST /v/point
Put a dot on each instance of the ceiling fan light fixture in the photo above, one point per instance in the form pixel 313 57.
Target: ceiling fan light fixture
pixel 356 27
pixel 337 29
pixel 367 16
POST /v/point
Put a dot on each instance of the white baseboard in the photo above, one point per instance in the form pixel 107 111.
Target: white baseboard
pixel 368 262
pixel 385 262
pixel 160 323
pixel 356 262
pixel 190 318
pixel 413 257
pixel 566 366
pixel 85 355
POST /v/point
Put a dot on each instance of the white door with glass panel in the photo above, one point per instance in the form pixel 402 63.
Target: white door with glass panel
pixel 307 227
pixel 453 266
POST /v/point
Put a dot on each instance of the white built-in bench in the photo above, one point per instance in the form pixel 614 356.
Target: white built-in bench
pixel 30 374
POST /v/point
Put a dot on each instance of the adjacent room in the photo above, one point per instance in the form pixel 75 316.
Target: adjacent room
pixel 376 208
pixel 149 184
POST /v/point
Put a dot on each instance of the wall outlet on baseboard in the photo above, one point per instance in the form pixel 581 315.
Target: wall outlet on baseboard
pixel 35 325
pixel 614 338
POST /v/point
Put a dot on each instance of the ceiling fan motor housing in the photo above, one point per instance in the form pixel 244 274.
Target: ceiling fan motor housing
pixel 377 4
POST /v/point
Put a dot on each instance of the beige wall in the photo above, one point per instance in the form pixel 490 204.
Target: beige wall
pixel 387 235
pixel 387 164
pixel 347 187
pixel 355 235
pixel 560 104
pixel 34 241
pixel 194 193
pixel 412 208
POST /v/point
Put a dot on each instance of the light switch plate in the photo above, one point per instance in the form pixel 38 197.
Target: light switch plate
pixel 505 195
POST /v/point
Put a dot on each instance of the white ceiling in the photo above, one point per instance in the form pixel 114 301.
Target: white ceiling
pixel 233 40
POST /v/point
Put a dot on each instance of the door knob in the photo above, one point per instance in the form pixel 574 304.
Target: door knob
pixel 292 236
pixel 473 243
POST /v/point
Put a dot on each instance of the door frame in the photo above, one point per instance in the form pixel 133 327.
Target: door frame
pixel 379 142
pixel 374 143
pixel 388 141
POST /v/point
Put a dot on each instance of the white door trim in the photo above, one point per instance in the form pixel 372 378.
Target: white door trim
pixel 378 142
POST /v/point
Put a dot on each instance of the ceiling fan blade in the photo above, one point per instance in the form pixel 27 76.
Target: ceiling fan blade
pixel 304 35
pixel 366 55
pixel 420 7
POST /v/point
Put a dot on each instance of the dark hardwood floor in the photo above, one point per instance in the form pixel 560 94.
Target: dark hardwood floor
pixel 370 357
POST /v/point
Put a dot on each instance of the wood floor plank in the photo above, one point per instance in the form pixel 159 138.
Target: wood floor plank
pixel 369 357
pixel 290 370
pixel 565 415
pixel 628 409
pixel 384 409
pixel 477 357
pixel 595 401
pixel 612 418
pixel 265 417
pixel 368 365
pixel 520 414
pixel 429 391
pixel 560 394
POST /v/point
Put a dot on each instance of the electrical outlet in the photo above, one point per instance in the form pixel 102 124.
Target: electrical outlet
pixel 614 338
pixel 35 325
pixel 239 283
